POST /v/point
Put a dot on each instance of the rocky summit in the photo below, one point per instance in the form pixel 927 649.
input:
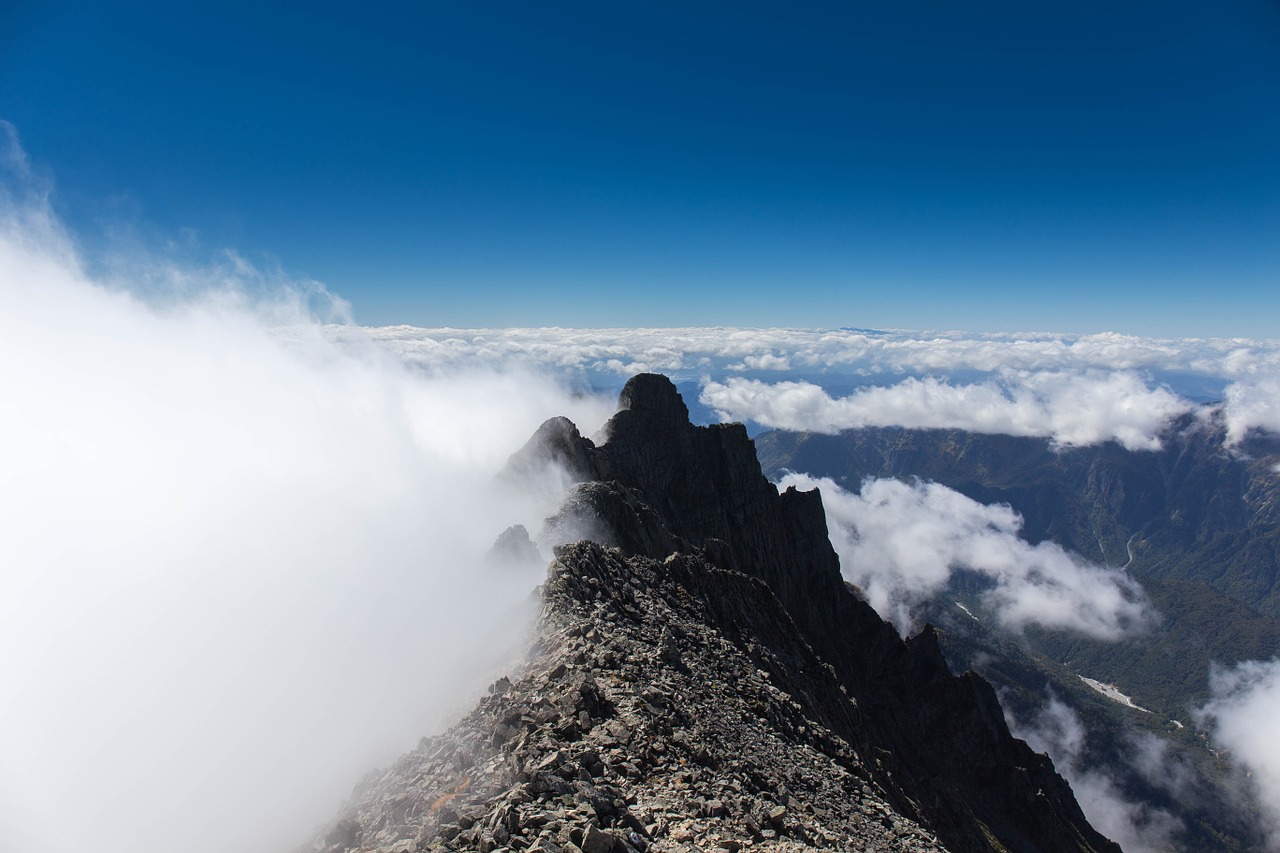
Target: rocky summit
pixel 701 678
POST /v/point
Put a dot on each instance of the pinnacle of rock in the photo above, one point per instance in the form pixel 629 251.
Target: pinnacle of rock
pixel 653 395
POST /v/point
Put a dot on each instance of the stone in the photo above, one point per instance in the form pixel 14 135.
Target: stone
pixel 595 841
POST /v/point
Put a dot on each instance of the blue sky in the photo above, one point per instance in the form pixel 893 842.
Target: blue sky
pixel 1002 166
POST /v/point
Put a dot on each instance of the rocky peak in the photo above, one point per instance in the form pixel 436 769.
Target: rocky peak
pixel 702 678
pixel 653 396
pixel 947 755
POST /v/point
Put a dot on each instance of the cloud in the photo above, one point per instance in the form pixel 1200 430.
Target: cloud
pixel 1136 827
pixel 902 542
pixel 766 361
pixel 1151 756
pixel 1070 409
pixel 242 559
pixel 1241 718
pixel 1252 405
pixel 838 352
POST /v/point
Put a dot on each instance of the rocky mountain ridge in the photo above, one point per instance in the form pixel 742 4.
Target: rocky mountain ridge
pixel 646 716
pixel 701 677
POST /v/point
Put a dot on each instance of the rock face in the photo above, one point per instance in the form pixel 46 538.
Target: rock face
pixel 702 678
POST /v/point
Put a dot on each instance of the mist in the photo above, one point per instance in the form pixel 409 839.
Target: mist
pixel 242 561
pixel 1136 827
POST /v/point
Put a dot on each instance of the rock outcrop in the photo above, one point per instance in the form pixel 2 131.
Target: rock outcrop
pixel 701 677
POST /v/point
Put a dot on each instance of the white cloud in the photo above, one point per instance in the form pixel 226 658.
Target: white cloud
pixel 1241 718
pixel 901 543
pixel 241 561
pixel 1136 827
pixel 1070 409
pixel 767 361
pixel 1080 388
pixel 1252 405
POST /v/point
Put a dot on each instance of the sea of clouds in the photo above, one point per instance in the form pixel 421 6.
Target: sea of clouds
pixel 1073 389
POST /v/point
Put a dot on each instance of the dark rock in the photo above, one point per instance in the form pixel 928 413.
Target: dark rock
pixel 595 841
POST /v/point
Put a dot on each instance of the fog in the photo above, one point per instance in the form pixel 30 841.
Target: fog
pixel 1136 827
pixel 241 560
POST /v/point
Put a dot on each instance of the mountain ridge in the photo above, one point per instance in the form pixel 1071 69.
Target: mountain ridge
pixel 723 556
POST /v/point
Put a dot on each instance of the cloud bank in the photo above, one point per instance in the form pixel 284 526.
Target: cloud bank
pixel 1070 409
pixel 1076 389
pixel 242 560
pixel 902 542
pixel 848 352
pixel 1241 718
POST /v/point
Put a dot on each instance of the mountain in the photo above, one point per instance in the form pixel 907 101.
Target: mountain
pixel 1195 522
pixel 1198 524
pixel 701 677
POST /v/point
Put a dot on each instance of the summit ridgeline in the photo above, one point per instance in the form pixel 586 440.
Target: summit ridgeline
pixel 702 678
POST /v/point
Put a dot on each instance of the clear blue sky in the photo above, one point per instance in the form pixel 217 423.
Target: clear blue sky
pixel 1074 166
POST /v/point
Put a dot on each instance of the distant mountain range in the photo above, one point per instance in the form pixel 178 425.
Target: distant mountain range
pixel 1196 522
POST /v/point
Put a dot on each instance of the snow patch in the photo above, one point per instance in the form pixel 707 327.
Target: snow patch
pixel 1113 693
